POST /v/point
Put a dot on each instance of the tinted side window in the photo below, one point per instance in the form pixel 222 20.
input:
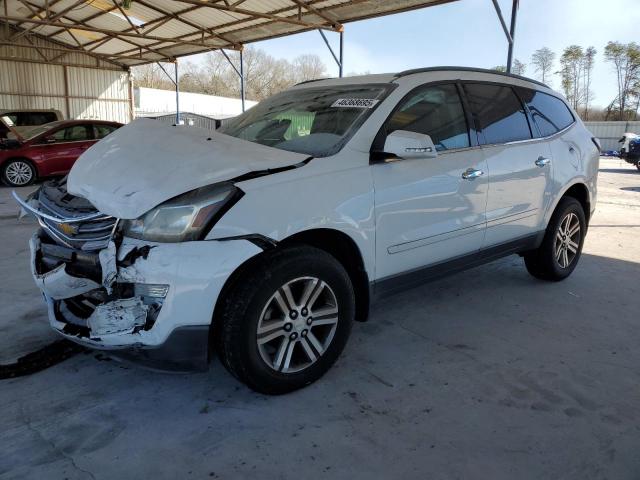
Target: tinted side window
pixel 76 133
pixel 39 118
pixel 436 111
pixel 498 113
pixel 550 113
pixel 104 130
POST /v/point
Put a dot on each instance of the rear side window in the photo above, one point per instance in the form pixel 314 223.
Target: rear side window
pixel 434 110
pixel 549 113
pixel 498 113
pixel 104 130
pixel 76 133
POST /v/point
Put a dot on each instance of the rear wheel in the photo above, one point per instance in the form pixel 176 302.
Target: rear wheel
pixel 638 165
pixel 18 173
pixel 285 321
pixel 558 255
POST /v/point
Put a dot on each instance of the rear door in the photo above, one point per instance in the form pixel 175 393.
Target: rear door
pixel 426 212
pixel 519 165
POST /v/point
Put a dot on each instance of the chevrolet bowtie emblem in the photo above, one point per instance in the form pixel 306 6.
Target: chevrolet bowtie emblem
pixel 68 229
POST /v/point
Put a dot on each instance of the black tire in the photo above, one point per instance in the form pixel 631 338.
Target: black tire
pixel 542 263
pixel 24 165
pixel 236 337
pixel 638 165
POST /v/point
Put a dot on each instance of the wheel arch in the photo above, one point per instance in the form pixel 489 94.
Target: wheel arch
pixel 344 249
pixel 336 243
pixel 578 190
pixel 25 159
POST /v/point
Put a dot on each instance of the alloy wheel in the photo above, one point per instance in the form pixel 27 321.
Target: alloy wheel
pixel 567 240
pixel 19 173
pixel 297 324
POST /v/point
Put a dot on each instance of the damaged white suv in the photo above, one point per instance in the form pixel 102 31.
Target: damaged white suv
pixel 264 241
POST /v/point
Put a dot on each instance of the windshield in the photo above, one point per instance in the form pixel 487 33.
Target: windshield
pixel 312 121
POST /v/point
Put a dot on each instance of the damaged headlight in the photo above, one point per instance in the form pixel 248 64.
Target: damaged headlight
pixel 186 217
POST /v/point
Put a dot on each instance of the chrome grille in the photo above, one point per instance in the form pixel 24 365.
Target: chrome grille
pixel 83 228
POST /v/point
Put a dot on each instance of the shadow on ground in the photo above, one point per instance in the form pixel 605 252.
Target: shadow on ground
pixel 487 371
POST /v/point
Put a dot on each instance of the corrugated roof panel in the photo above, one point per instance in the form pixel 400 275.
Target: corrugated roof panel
pixel 235 24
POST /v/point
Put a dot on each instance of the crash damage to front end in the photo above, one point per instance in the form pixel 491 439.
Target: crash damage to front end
pixel 145 301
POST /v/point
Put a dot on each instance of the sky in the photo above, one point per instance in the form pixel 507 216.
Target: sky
pixel 468 33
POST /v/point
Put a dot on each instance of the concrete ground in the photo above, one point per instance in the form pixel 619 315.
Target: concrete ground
pixel 489 374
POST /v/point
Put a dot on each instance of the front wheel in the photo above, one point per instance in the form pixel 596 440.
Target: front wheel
pixel 638 165
pixel 561 247
pixel 285 321
pixel 18 173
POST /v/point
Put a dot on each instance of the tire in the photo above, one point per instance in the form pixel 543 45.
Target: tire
pixel 549 262
pixel 18 172
pixel 254 301
pixel 638 165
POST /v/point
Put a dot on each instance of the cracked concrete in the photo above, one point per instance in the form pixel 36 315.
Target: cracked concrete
pixel 487 374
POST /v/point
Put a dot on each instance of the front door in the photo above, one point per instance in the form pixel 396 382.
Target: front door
pixel 426 211
pixel 64 146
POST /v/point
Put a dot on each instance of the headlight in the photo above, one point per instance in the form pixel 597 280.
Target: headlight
pixel 186 217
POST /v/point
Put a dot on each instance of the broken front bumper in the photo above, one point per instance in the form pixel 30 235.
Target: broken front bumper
pixel 151 302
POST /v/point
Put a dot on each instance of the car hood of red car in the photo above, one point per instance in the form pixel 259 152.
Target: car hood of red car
pixel 145 163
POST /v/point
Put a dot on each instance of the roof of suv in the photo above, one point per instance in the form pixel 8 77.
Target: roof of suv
pixel 390 77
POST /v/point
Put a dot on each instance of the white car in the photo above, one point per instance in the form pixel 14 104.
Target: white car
pixel 264 241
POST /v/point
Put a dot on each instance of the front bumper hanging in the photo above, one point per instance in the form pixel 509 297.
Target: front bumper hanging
pixel 148 302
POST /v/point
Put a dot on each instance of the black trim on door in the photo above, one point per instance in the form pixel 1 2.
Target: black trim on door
pixel 406 280
pixel 481 138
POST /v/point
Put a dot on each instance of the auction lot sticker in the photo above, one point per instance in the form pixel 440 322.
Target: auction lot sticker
pixel 355 103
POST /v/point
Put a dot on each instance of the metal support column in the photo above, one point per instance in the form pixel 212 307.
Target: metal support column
pixel 242 79
pixel 341 51
pixel 509 33
pixel 339 61
pixel 239 72
pixel 512 34
pixel 177 82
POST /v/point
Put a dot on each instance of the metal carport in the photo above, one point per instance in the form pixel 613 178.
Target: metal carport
pixel 119 34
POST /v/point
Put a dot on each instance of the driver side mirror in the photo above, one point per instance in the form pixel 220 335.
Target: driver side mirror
pixel 402 144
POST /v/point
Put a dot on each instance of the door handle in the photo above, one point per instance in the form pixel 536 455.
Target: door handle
pixel 472 174
pixel 543 161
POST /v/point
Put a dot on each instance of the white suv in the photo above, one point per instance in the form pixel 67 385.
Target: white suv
pixel 264 241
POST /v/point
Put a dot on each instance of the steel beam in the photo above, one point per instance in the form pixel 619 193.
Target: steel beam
pixel 177 82
pixel 512 34
pixel 338 59
pixel 239 72
pixel 242 79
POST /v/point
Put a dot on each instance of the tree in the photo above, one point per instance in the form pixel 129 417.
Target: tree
pixel 518 68
pixel 587 70
pixel 626 61
pixel 571 64
pixel 264 74
pixel 152 76
pixel 308 67
pixel 542 59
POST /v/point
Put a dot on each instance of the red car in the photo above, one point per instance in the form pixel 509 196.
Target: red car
pixel 49 149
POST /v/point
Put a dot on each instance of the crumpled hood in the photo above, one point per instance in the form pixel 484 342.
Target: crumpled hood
pixel 145 163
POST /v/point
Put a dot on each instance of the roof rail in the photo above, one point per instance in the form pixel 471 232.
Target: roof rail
pixel 314 80
pixel 468 69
